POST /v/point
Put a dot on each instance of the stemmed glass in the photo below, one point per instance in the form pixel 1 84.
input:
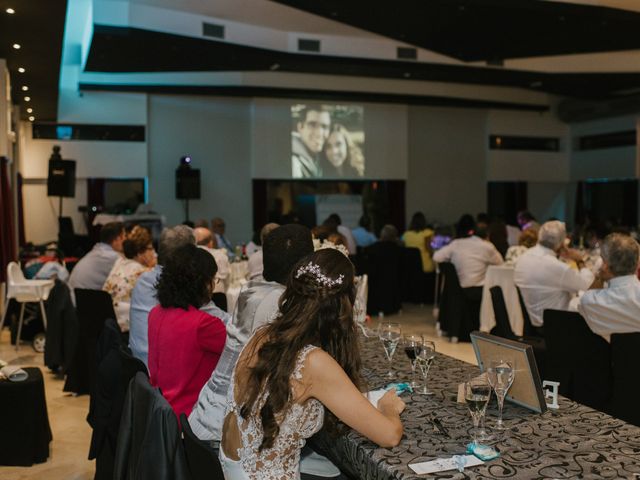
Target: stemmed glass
pixel 412 346
pixel 424 359
pixel 500 375
pixel 390 335
pixel 477 393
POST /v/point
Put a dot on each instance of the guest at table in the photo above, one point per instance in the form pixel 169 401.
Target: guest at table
pixel 255 264
pixel 185 343
pixel 419 236
pixel 139 257
pixel 545 281
pixel 335 219
pixel 93 269
pixel 528 239
pixel 305 360
pixel 218 226
pixel 206 240
pixel 526 220
pixel 612 305
pixel 470 255
pixel 144 295
pixel 362 234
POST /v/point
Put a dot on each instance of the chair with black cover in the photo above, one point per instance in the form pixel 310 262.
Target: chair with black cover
pixel 459 313
pixel 625 358
pixel 529 330
pixel 383 266
pixel 413 284
pixel 202 460
pixel 130 366
pixel 93 307
pixel 577 358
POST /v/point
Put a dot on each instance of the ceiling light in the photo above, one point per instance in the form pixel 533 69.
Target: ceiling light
pixel 406 75
pixel 27 99
pixel 10 11
pixel 274 67
pixel 21 70
pixel 25 88
pixel 16 46
pixel 29 110
pixel 32 118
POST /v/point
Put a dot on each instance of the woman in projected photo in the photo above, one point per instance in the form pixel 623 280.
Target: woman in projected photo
pixel 343 157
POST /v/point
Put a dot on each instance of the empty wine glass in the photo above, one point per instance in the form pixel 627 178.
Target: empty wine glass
pixel 390 335
pixel 477 393
pixel 500 375
pixel 412 346
pixel 424 359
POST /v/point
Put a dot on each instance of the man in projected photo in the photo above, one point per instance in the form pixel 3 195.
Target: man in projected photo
pixel 307 142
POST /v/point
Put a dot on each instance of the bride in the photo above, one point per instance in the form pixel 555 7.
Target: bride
pixel 304 361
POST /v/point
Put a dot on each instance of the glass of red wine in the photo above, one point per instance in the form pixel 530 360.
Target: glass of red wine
pixel 412 345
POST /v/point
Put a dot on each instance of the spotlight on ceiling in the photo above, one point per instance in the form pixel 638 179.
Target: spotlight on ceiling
pixel 21 70
pixel 16 46
pixel 32 118
pixel 29 110
pixel 10 11
pixel 27 99
pixel 25 88
pixel 274 67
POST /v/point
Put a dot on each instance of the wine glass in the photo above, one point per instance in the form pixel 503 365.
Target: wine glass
pixel 424 359
pixel 477 393
pixel 412 346
pixel 500 375
pixel 390 335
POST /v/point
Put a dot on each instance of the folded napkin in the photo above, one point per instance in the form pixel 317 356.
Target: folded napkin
pixel 457 462
pixel 15 374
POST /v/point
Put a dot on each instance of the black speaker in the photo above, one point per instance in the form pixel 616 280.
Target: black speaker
pixel 187 183
pixel 61 181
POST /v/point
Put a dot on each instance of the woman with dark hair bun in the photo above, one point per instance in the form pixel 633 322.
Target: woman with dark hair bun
pixel 291 369
pixel 185 343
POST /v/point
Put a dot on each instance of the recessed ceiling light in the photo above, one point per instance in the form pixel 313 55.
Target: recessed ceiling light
pixel 27 99
pixel 29 110
pixel 32 118
pixel 10 11
pixel 16 46
pixel 25 88
pixel 21 70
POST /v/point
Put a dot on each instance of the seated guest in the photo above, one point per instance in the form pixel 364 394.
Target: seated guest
pixel 470 255
pixel 143 297
pixel 185 343
pixel 254 245
pixel 218 227
pixel 497 234
pixel 257 305
pixel 616 308
pixel 335 219
pixel 139 257
pixel 306 360
pixel 255 265
pixel 362 234
pixel 419 236
pixel 206 240
pixel 93 269
pixel 545 281
pixel 528 239
pixel 526 220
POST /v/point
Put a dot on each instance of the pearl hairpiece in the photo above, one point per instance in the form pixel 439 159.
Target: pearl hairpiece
pixel 317 274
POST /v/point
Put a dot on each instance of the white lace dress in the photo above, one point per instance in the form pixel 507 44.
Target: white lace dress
pixel 282 460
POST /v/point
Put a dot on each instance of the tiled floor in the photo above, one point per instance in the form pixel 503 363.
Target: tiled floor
pixel 67 414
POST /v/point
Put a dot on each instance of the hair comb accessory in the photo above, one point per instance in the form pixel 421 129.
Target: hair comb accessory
pixel 314 270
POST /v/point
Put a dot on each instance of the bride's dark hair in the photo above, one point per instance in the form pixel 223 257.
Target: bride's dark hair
pixel 315 309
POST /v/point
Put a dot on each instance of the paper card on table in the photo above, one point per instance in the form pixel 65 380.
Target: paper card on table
pixel 444 464
pixel 374 395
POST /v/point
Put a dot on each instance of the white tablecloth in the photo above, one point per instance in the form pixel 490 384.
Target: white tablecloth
pixel 502 276
pixel 239 272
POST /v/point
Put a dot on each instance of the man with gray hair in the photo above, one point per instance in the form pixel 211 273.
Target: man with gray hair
pixel 616 308
pixel 545 281
pixel 143 297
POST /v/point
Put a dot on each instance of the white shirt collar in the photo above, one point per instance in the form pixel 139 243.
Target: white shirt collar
pixel 622 280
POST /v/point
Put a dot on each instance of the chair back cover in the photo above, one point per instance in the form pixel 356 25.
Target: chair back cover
pixel 625 358
pixel 202 461
pixel 503 325
pixel 577 358
pixel 528 329
pixel 414 288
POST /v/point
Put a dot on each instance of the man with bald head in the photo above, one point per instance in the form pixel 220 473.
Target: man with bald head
pixel 206 240
pixel 255 265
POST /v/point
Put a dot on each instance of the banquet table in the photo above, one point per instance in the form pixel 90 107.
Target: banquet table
pixel 502 276
pixel 574 441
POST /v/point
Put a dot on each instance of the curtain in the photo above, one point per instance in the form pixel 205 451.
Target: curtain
pixel 7 239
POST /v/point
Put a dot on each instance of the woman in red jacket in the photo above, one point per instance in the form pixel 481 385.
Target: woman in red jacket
pixel 185 343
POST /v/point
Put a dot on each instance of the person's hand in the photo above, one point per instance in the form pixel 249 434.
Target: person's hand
pixel 390 402
pixel 572 254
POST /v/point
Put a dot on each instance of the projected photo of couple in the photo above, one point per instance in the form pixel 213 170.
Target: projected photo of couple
pixel 327 141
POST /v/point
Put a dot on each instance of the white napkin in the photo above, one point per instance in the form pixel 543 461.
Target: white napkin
pixel 444 464
pixel 374 395
pixel 15 374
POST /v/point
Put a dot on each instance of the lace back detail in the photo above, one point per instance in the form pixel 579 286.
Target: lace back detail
pixel 298 423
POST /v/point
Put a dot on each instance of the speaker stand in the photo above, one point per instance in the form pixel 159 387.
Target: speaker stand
pixel 186 209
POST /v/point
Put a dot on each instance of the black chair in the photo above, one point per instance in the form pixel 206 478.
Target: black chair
pixel 383 266
pixel 130 366
pixel 202 460
pixel 62 328
pixel 413 284
pixel 220 299
pixel 93 308
pixel 625 358
pixel 577 358
pixel 529 330
pixel 459 312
